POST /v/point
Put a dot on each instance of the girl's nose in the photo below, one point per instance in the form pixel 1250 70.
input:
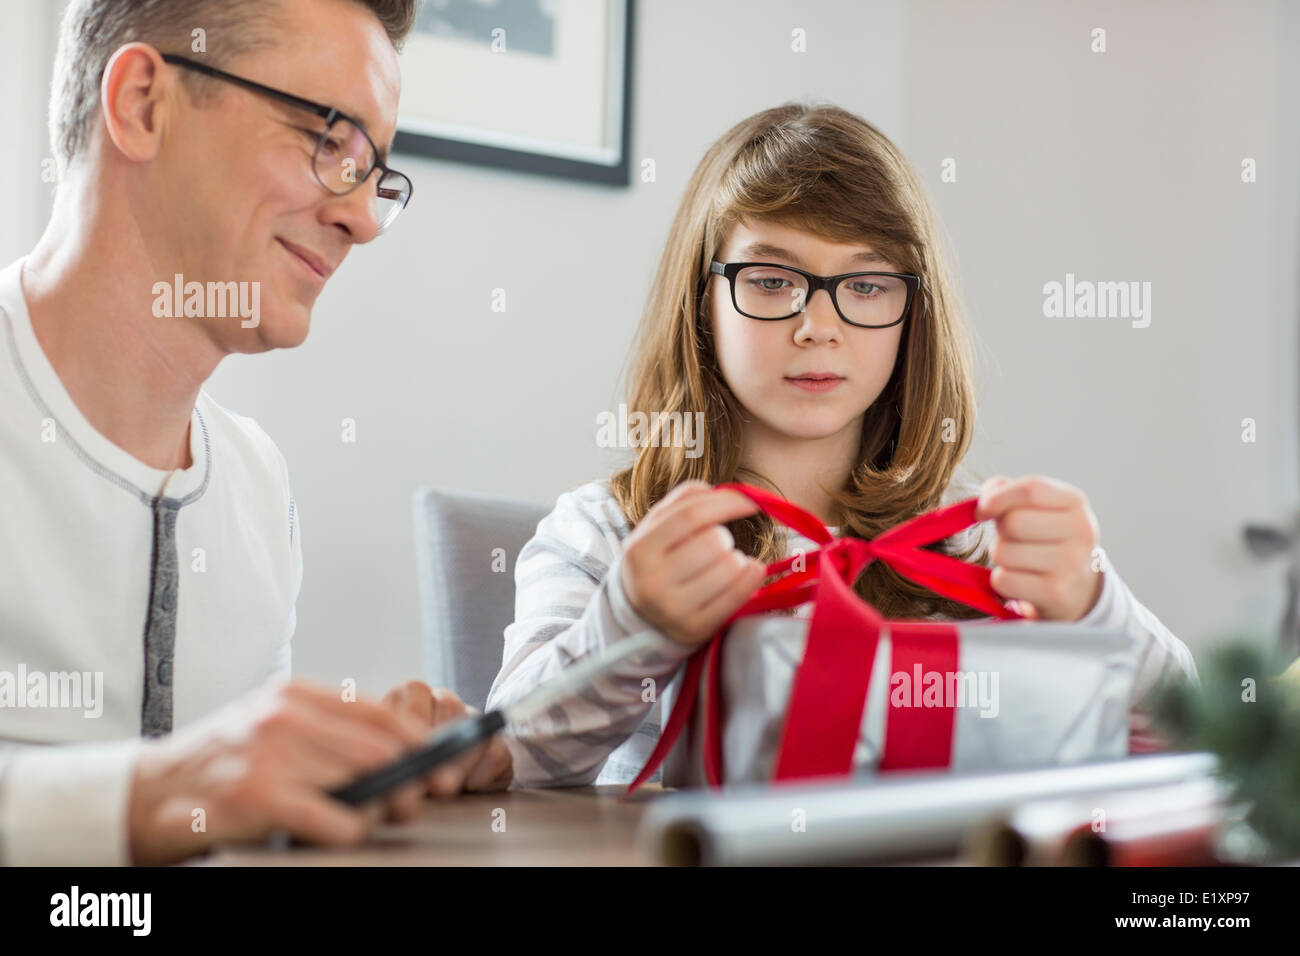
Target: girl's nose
pixel 819 323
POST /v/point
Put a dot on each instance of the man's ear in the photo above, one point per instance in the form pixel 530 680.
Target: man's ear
pixel 133 95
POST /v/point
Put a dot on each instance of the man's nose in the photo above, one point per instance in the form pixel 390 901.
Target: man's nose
pixel 355 212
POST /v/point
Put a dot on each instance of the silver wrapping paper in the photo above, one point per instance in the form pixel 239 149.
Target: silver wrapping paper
pixel 1061 694
pixel 887 817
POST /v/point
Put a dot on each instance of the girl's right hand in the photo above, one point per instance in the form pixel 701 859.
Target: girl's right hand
pixel 681 571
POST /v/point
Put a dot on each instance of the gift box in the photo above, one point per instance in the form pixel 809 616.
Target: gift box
pixel 778 696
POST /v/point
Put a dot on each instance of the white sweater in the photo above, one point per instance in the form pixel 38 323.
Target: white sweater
pixel 132 600
pixel 569 602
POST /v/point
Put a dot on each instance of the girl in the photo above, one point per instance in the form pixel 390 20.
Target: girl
pixel 803 304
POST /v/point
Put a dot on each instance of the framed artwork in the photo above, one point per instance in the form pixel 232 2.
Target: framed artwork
pixel 540 86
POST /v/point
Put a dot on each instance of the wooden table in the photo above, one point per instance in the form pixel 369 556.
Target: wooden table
pixel 577 826
pixel 571 826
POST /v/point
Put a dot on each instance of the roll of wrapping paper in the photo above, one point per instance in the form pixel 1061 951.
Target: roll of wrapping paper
pixel 880 818
pixel 1172 824
pixel 1187 837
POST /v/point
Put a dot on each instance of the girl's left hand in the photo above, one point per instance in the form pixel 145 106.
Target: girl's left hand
pixel 1045 555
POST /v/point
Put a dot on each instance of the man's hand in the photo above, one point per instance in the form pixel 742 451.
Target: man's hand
pixel 264 763
pixel 488 766
pixel 1043 555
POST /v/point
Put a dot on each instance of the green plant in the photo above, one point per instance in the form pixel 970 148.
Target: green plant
pixel 1249 717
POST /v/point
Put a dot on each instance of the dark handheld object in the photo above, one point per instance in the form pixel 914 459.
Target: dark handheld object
pixel 456 738
pixel 448 743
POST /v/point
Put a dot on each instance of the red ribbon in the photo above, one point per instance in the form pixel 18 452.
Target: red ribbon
pixel 830 686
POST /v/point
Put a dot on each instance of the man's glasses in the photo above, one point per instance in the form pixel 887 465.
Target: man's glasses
pixel 345 155
pixel 869 300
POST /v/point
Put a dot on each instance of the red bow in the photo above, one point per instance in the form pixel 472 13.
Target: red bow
pixel 830 686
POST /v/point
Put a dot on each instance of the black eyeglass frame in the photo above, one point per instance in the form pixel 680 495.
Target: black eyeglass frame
pixel 329 114
pixel 729 271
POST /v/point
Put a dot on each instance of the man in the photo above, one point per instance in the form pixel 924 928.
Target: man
pixel 218 159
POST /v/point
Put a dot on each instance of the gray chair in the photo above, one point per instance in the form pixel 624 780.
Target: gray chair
pixel 464 604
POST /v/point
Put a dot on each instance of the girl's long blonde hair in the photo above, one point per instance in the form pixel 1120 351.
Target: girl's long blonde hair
pixel 823 170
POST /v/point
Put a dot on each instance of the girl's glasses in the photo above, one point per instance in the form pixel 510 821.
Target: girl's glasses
pixel 770 292
pixel 345 155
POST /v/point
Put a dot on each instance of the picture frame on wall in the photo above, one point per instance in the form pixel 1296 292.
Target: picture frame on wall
pixel 537 86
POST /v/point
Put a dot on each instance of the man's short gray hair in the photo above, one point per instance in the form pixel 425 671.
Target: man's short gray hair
pixel 93 30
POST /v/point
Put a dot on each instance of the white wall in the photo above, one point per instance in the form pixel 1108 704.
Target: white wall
pixel 1126 165
pixel 1123 165
pixel 26 61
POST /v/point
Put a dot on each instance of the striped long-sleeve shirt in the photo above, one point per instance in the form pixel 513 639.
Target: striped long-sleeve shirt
pixel 569 602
